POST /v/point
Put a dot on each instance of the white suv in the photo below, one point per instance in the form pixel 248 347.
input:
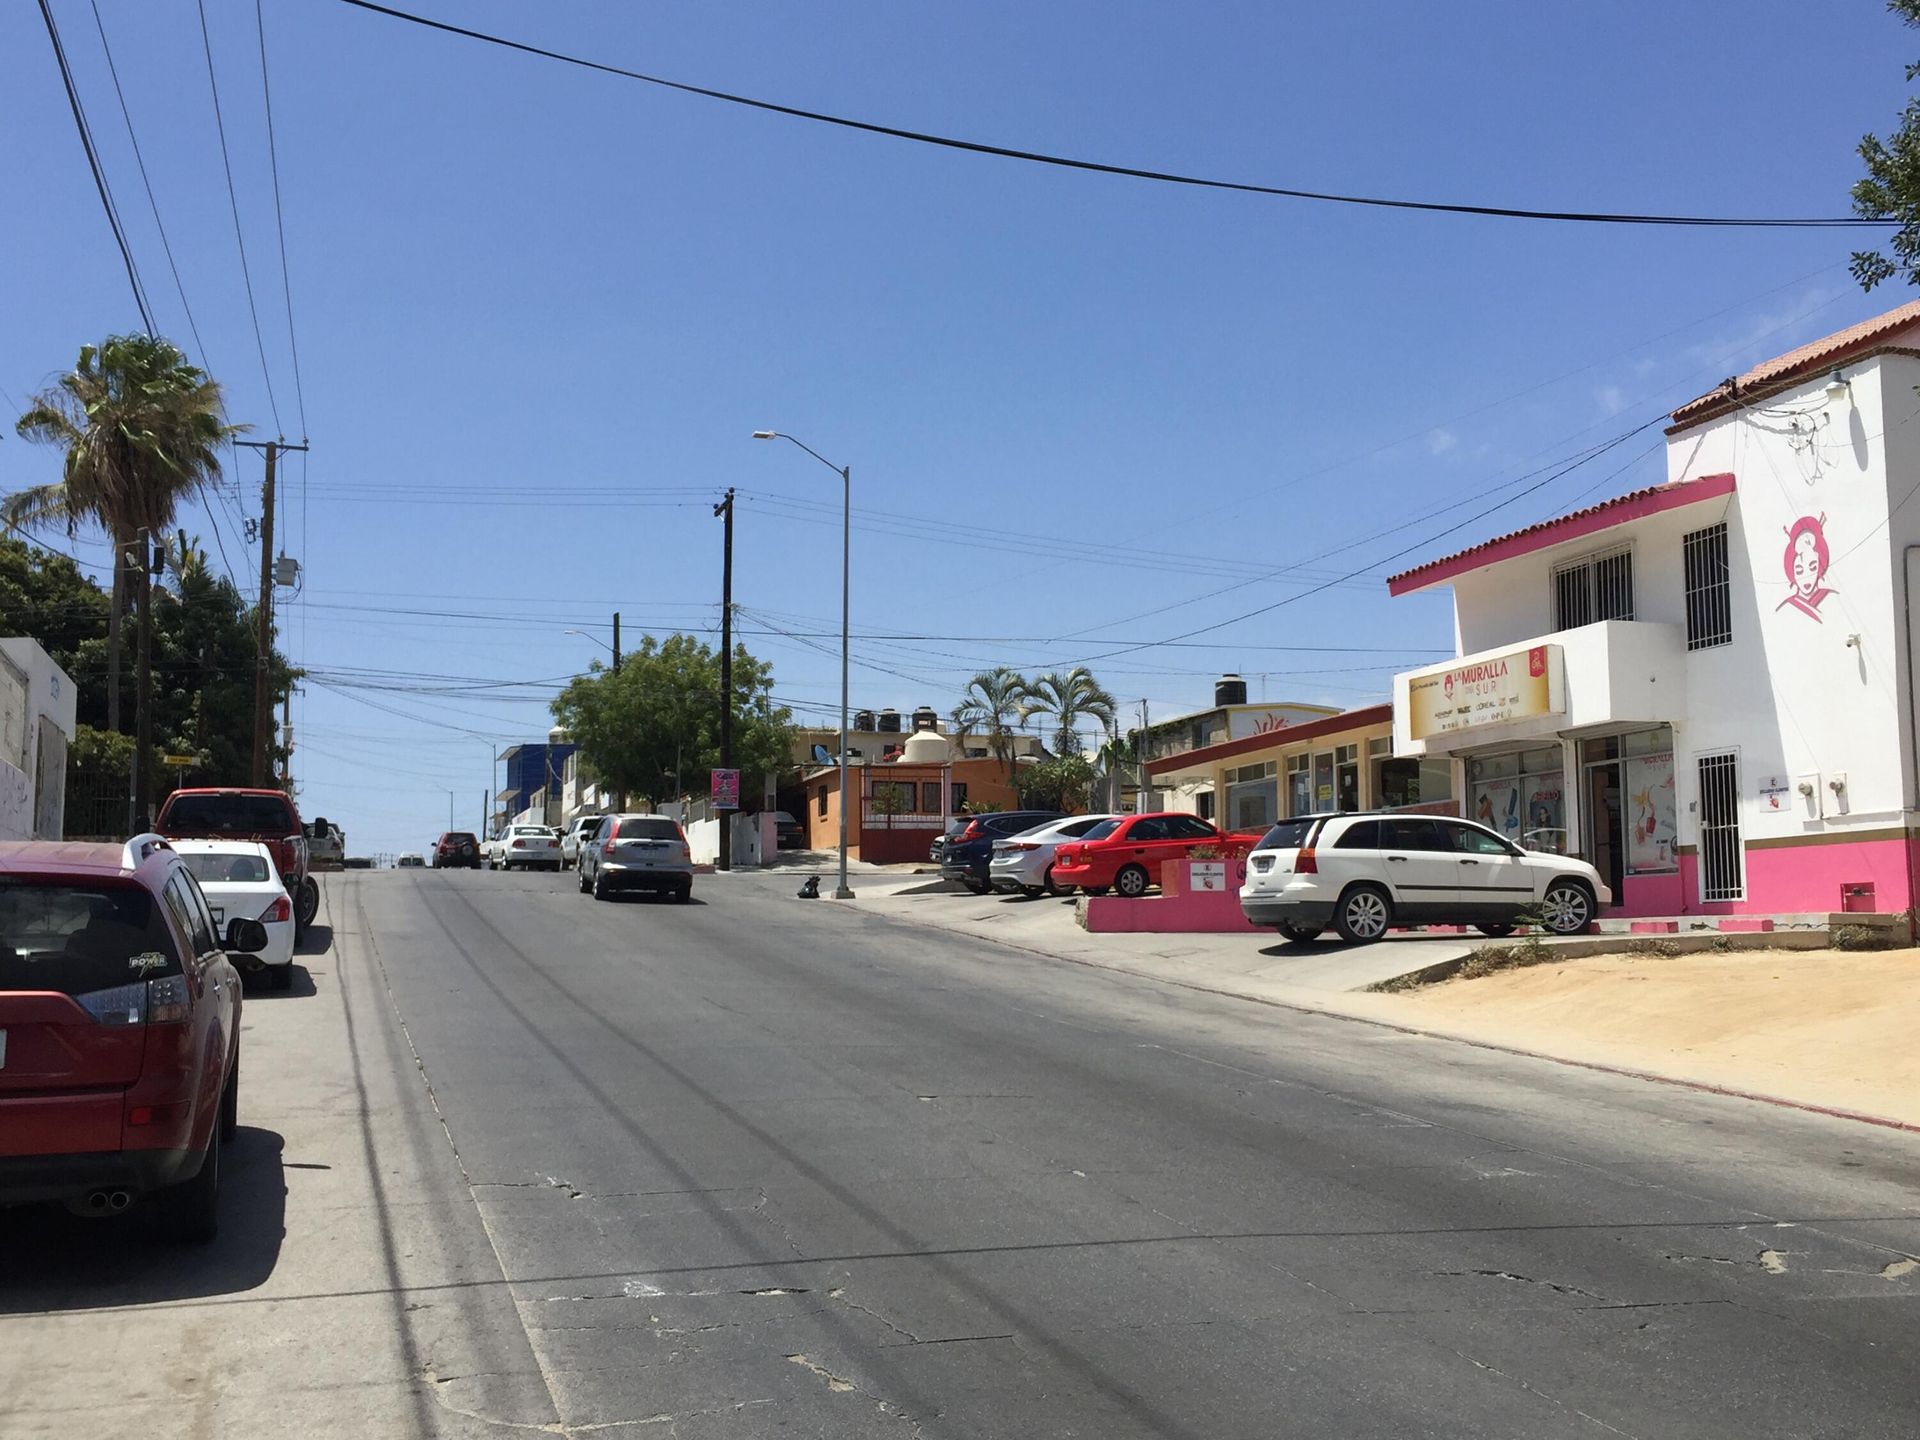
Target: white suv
pixel 1364 873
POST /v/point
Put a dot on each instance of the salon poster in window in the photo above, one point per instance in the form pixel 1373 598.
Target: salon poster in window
pixel 1651 832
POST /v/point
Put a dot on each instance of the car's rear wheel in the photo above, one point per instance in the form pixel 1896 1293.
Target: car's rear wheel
pixel 306 905
pixel 1497 930
pixel 683 895
pixel 600 886
pixel 1567 907
pixel 1363 915
pixel 230 1104
pixel 978 887
pixel 584 883
pixel 1132 881
pixel 1046 883
pixel 1298 934
pixel 190 1211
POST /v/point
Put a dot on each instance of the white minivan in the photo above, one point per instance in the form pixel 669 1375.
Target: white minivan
pixel 1364 874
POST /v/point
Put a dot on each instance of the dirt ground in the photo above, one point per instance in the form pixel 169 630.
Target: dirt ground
pixel 1836 1028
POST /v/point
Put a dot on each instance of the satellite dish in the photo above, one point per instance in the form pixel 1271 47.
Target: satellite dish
pixel 822 756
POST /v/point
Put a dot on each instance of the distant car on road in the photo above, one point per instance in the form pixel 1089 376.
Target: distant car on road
pixel 268 816
pixel 1364 873
pixel 528 847
pixel 326 845
pixel 577 830
pixel 409 862
pixel 238 878
pixel 120 1012
pixel 1023 863
pixel 965 852
pixel 457 850
pixel 637 852
pixel 788 833
pixel 1125 854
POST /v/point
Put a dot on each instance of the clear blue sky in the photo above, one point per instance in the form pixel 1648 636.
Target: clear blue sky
pixel 539 312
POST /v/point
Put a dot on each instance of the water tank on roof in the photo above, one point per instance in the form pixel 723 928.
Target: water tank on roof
pixel 889 722
pixel 927 747
pixel 863 720
pixel 926 718
pixel 1229 689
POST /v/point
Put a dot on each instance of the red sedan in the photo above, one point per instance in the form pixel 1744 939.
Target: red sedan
pixel 1124 855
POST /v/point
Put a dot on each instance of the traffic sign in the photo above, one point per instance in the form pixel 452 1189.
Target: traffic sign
pixel 179 762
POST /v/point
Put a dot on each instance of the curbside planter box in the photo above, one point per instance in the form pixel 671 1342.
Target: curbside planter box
pixel 1197 897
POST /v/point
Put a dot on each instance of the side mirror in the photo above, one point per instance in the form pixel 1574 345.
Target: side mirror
pixel 249 937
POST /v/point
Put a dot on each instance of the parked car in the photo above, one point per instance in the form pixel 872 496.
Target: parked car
pixel 268 816
pixel 967 851
pixel 1022 864
pixel 577 830
pixel 326 846
pixel 1366 873
pixel 238 878
pixel 637 852
pixel 120 1009
pixel 457 850
pixel 410 862
pixel 1125 854
pixel 788 833
pixel 530 847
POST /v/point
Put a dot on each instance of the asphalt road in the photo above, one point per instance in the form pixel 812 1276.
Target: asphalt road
pixel 760 1167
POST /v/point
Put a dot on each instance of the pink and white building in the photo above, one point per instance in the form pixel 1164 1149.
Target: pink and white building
pixel 1706 688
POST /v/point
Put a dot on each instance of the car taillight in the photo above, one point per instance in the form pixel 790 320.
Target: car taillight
pixel 1024 845
pixel 519 845
pixel 1304 862
pixel 607 849
pixel 972 832
pixel 280 910
pixel 148 1002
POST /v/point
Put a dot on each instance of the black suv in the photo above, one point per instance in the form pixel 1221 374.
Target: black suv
pixel 965 852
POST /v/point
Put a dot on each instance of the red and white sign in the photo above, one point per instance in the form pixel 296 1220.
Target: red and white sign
pixel 726 789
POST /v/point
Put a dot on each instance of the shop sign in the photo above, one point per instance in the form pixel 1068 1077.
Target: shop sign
pixel 726 789
pixel 1208 875
pixel 1652 836
pixel 1773 792
pixel 1515 686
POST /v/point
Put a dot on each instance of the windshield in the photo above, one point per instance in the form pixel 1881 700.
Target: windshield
pixel 229 815
pixel 212 868
pixel 1102 830
pixel 55 935
pixel 1287 835
pixel 648 827
pixel 531 830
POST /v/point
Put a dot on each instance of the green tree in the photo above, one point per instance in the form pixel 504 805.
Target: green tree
pixel 1067 699
pixel 1064 782
pixel 652 728
pixel 1891 188
pixel 141 429
pixel 991 706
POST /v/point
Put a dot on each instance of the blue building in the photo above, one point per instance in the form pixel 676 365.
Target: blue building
pixel 533 777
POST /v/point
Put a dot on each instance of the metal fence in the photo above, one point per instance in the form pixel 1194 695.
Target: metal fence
pixel 99 805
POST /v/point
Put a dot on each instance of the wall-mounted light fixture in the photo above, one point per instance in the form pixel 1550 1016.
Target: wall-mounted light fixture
pixel 1838 391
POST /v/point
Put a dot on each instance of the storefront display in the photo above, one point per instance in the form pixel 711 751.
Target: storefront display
pixel 1652 819
pixel 1522 795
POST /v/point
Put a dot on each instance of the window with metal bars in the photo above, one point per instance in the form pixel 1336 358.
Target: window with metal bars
pixel 1599 587
pixel 1709 588
pixel 1720 855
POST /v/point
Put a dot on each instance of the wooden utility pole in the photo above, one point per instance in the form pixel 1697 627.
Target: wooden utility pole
pixel 616 642
pixel 725 510
pixel 263 657
pixel 143 695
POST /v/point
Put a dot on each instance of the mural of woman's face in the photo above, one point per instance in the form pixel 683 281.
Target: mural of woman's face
pixel 1806 566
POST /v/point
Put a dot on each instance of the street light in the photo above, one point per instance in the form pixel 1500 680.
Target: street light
pixel 595 638
pixel 845 472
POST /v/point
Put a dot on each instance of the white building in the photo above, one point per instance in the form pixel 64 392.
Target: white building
pixel 37 719
pixel 1706 688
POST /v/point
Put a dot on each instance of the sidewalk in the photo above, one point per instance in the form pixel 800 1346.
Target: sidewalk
pixel 1820 1029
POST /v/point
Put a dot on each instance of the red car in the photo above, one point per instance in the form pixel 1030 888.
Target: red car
pixel 119 1031
pixel 264 815
pixel 1124 855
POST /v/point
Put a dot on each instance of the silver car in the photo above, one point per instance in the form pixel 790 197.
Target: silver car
pixel 1023 863
pixel 574 837
pixel 637 852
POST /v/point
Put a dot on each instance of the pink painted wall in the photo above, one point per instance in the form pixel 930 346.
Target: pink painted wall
pixel 1807 878
pixel 1177 910
pixel 1650 895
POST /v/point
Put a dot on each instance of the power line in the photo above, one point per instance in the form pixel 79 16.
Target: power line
pixel 1130 172
pixel 152 203
pixel 280 219
pixel 233 200
pixel 93 164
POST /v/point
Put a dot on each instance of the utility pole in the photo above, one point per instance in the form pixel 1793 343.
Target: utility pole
pixel 725 510
pixel 1140 757
pixel 616 642
pixel 262 666
pixel 143 696
pixel 286 741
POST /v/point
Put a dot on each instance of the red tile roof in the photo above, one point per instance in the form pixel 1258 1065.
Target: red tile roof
pixel 1274 739
pixel 1608 513
pixel 1795 364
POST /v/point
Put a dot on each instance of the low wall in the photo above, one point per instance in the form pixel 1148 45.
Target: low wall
pixel 1197 897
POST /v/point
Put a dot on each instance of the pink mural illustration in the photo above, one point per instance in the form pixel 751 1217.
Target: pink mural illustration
pixel 1805 562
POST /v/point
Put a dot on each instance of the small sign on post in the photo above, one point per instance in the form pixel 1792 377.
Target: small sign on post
pixel 1209 876
pixel 178 762
pixel 726 789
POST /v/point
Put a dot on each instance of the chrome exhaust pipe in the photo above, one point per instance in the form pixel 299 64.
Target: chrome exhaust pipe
pixel 118 1200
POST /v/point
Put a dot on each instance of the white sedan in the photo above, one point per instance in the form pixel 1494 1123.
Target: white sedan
pixel 1023 863
pixel 532 847
pixel 240 882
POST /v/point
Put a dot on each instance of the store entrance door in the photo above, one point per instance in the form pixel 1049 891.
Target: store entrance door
pixel 1606 824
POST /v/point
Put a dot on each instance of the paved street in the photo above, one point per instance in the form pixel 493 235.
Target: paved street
pixel 756 1167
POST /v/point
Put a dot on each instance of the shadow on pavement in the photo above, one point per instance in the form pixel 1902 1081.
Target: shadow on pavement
pixel 57 1261
pixel 317 941
pixel 300 986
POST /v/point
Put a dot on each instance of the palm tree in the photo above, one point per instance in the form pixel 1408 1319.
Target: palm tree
pixel 1068 699
pixel 142 430
pixel 992 704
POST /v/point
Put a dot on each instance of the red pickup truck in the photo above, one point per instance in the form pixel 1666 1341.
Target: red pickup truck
pixel 268 816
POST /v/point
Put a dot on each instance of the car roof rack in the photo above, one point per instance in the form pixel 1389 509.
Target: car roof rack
pixel 141 848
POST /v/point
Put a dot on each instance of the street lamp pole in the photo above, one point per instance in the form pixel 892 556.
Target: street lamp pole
pixel 845 472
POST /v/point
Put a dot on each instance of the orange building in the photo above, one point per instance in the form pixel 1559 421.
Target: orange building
pixel 901 805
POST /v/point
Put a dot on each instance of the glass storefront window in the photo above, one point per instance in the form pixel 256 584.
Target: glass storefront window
pixel 1323 781
pixel 1400 783
pixel 1299 786
pixel 1522 796
pixel 1346 777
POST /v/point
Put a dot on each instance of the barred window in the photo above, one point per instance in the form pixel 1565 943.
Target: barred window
pixel 1598 587
pixel 1709 588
